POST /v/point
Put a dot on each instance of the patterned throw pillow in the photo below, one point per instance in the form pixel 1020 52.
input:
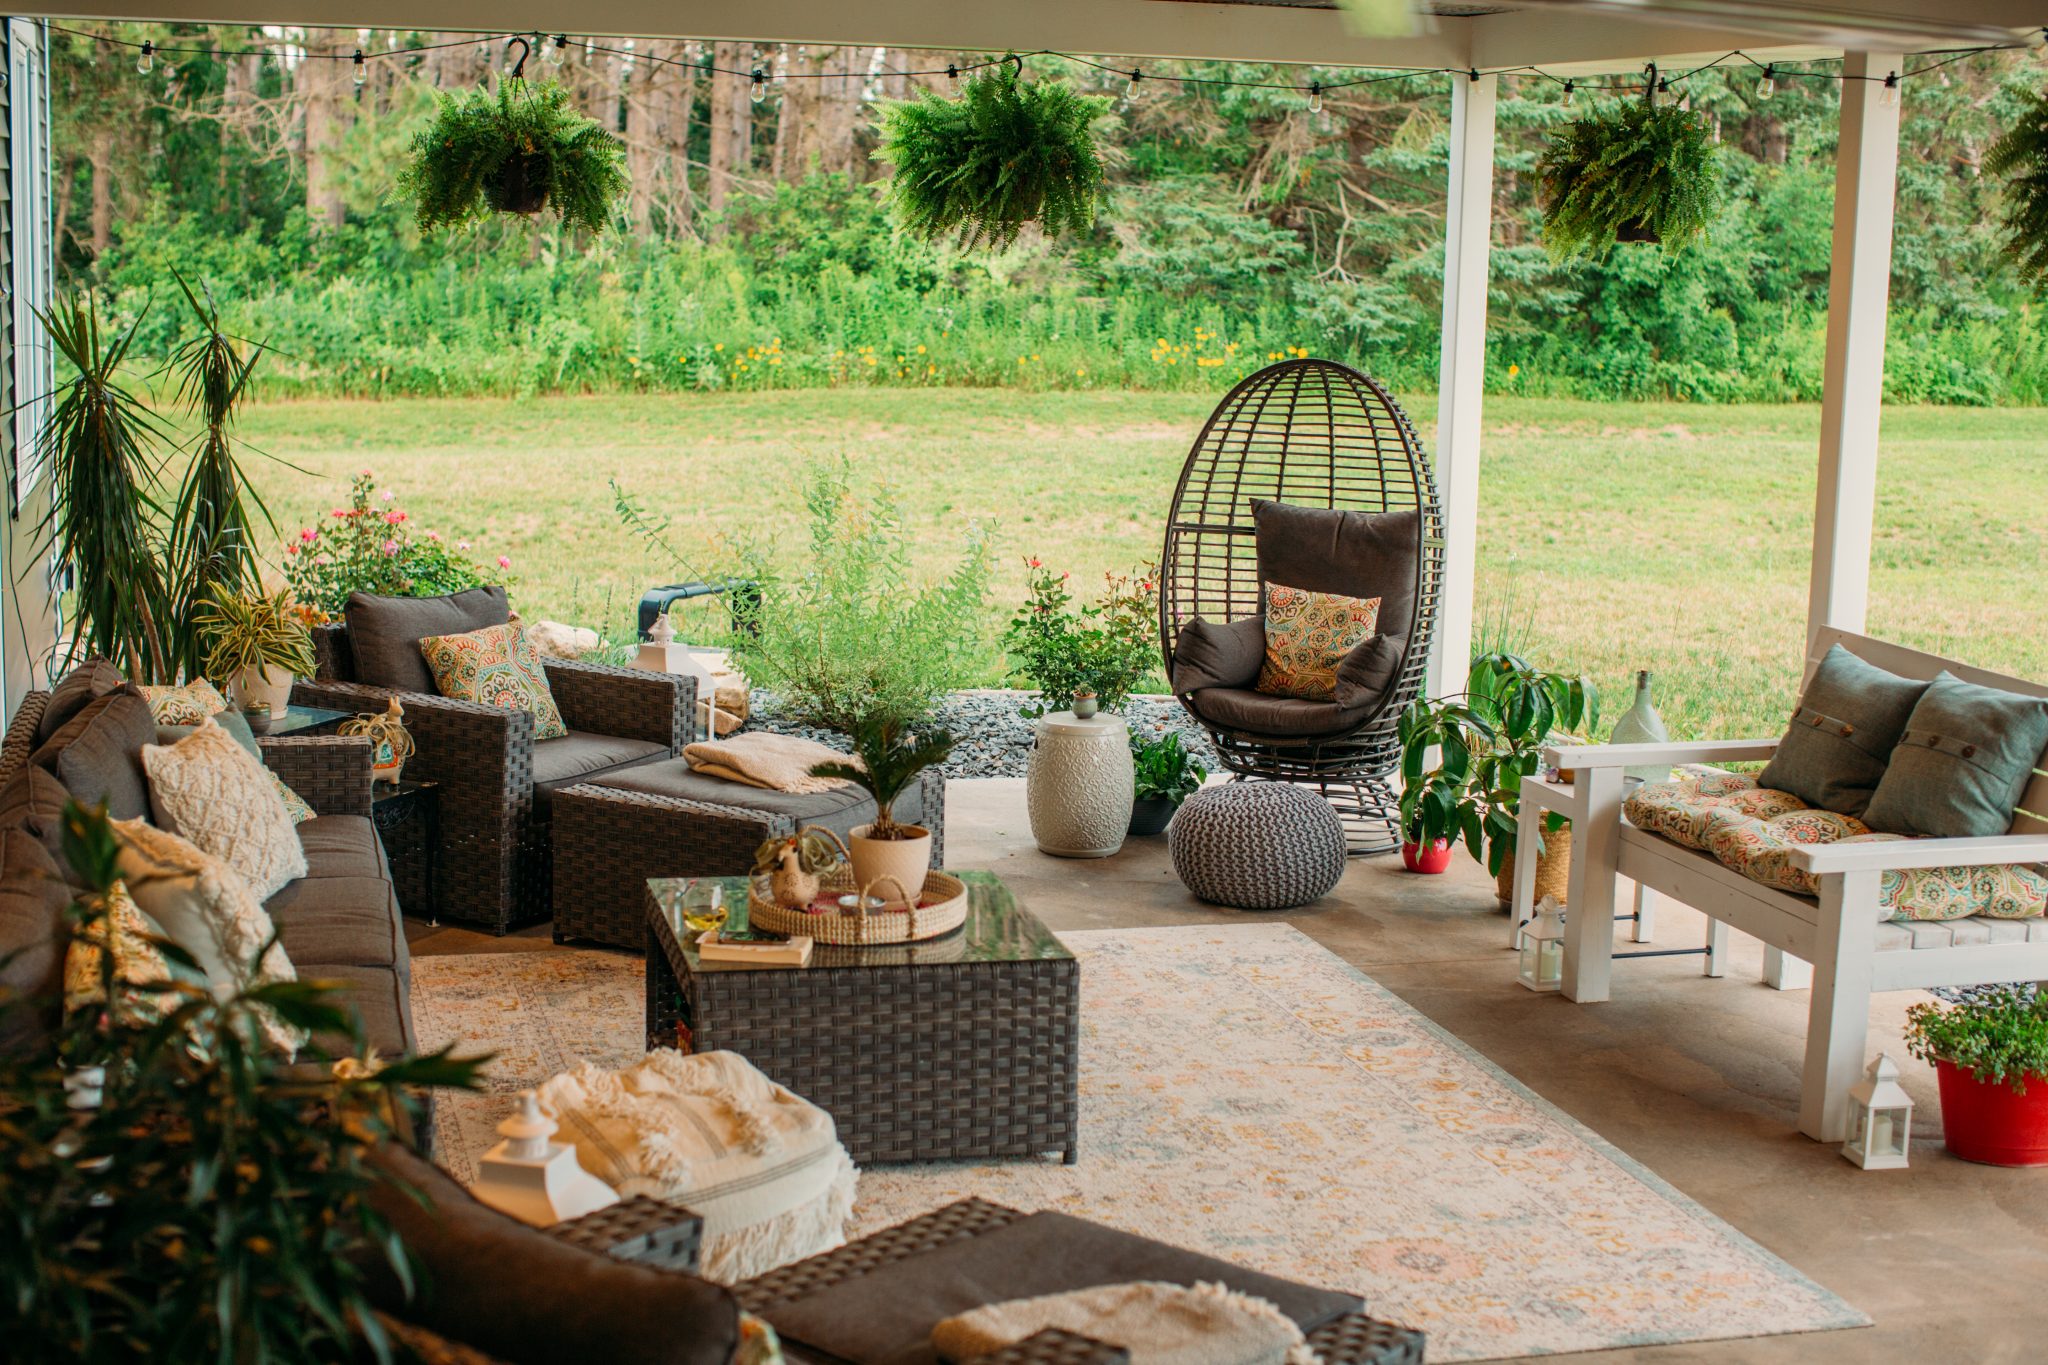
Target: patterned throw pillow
pixel 206 788
pixel 138 963
pixel 495 666
pixel 186 704
pixel 1307 636
pixel 1688 810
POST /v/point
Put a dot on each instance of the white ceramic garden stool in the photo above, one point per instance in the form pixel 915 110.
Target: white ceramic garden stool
pixel 1079 787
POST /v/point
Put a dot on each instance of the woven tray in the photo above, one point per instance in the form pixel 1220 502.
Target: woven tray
pixel 944 911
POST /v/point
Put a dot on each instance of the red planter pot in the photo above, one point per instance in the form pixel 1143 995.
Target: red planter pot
pixel 1431 860
pixel 1989 1123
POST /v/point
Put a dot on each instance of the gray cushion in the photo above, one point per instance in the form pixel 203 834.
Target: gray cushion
pixel 384 633
pixel 1357 554
pixel 379 998
pixel 1209 654
pixel 886 1316
pixel 343 911
pixel 1962 763
pixel 519 1295
pixel 33 800
pixel 1848 719
pixel 1255 713
pixel 231 721
pixel 580 756
pixel 84 684
pixel 97 754
pixel 33 898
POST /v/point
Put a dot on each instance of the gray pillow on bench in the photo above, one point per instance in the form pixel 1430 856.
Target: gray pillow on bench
pixel 1842 734
pixel 1962 763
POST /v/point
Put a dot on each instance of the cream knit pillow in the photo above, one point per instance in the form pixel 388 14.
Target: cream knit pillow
pixel 209 790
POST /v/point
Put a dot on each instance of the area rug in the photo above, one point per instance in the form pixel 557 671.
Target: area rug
pixel 1246 1094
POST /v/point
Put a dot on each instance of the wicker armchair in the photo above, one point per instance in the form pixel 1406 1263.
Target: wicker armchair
pixel 1318 435
pixel 493 860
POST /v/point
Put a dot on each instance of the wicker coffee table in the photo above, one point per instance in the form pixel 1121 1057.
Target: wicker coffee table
pixel 960 1047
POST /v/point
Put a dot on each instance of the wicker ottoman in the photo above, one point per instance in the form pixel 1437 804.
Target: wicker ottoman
pixel 613 836
pixel 1257 845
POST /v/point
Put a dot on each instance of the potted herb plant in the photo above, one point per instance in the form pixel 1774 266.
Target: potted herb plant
pixel 519 149
pixel 1636 172
pixel 1000 154
pixel 1166 775
pixel 255 645
pixel 891 755
pixel 1488 739
pixel 1990 1056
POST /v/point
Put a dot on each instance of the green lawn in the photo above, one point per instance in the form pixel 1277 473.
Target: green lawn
pixel 1613 536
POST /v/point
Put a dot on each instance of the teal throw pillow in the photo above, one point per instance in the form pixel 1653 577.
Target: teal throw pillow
pixel 1834 754
pixel 1966 756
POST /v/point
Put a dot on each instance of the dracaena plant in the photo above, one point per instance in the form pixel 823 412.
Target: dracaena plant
pixel 891 755
pixel 1488 739
pixel 1637 171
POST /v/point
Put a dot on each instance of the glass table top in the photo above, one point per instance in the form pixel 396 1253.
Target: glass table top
pixel 301 718
pixel 998 929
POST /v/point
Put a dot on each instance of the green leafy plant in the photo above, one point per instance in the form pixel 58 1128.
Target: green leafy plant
pixel 1108 647
pixel 518 149
pixel 848 635
pixel 174 1191
pixel 1640 172
pixel 1165 770
pixel 372 545
pixel 891 756
pixel 2000 1038
pixel 1488 739
pixel 1000 154
pixel 245 633
pixel 814 852
pixel 2021 156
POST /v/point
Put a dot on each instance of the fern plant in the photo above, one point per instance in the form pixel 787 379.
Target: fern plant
pixel 1643 172
pixel 891 756
pixel 519 149
pixel 997 156
pixel 2021 155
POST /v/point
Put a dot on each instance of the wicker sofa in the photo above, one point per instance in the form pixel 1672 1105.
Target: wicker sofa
pixel 496 782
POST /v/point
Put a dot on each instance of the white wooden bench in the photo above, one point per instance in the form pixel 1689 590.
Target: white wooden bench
pixel 1842 933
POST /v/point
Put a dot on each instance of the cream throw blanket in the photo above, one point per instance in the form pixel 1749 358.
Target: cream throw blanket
pixel 1159 1324
pixel 780 763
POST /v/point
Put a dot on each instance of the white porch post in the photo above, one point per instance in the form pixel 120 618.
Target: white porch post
pixel 1468 238
pixel 1859 295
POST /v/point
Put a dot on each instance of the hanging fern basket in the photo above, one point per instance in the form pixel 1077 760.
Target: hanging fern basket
pixel 520 149
pixel 1000 155
pixel 2021 156
pixel 1641 172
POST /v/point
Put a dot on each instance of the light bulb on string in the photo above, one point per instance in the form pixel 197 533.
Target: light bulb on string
pixel 1131 89
pixel 555 52
pixel 759 90
pixel 362 69
pixel 1571 94
pixel 1315 97
pixel 952 75
pixel 1888 94
pixel 1767 84
pixel 146 63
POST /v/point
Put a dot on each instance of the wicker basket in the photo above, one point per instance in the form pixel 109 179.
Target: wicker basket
pixel 1553 869
pixel 947 912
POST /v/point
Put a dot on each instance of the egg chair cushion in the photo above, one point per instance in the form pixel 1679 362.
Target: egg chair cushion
pixel 1270 717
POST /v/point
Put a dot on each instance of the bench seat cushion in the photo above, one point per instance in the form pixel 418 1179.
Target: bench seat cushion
pixel 1723 815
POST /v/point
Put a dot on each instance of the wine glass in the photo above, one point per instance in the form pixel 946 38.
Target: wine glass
pixel 704 907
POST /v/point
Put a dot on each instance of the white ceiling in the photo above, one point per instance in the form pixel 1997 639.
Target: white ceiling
pixel 1567 36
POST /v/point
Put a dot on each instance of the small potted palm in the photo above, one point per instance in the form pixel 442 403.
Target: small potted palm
pixel 1166 775
pixel 255 645
pixel 890 756
pixel 1990 1056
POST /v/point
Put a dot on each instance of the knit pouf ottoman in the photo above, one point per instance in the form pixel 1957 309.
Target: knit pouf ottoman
pixel 1257 845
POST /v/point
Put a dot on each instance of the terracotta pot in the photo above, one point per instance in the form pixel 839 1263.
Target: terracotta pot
pixel 1990 1124
pixel 1430 860
pixel 1553 870
pixel 907 860
pixel 268 686
pixel 1152 815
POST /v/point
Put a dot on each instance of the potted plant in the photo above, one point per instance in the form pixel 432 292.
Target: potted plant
pixel 1639 172
pixel 1166 775
pixel 1990 1056
pixel 2021 156
pixel 255 645
pixel 1094 655
pixel 1488 739
pixel 993 158
pixel 520 149
pixel 891 754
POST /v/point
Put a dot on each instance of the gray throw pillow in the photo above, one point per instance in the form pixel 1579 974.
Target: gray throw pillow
pixel 1212 655
pixel 384 633
pixel 1843 730
pixel 1962 764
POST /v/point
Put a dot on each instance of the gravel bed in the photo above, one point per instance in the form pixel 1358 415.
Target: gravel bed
pixel 993 738
pixel 1956 995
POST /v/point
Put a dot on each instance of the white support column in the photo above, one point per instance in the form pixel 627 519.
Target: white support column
pixel 1859 295
pixel 1461 382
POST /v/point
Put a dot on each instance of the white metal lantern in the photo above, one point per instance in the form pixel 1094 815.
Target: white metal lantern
pixel 661 653
pixel 1543 948
pixel 537 1181
pixel 1880 1118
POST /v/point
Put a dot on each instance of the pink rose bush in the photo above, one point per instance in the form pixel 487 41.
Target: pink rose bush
pixel 370 546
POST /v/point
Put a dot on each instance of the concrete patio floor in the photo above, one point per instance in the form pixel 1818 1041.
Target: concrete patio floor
pixel 1696 1078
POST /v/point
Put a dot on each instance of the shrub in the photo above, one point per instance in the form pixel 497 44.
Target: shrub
pixel 1107 647
pixel 1165 770
pixel 371 546
pixel 2000 1038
